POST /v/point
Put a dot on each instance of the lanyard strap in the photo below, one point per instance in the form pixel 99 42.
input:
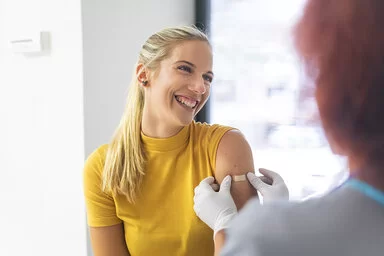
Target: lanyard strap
pixel 366 189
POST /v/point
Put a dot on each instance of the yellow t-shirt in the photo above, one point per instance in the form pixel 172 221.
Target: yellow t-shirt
pixel 162 221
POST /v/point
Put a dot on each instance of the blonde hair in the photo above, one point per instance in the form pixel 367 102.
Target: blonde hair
pixel 125 160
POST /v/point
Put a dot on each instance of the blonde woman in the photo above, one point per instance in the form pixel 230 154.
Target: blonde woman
pixel 139 188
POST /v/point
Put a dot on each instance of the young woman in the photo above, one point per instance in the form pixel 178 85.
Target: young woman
pixel 139 187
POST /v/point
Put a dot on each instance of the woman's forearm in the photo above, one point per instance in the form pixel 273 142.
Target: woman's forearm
pixel 219 241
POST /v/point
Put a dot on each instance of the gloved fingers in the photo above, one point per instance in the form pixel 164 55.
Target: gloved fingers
pixel 208 180
pixel 267 180
pixel 256 182
pixel 215 187
pixel 226 184
pixel 275 177
pixel 198 197
pixel 205 184
pixel 196 209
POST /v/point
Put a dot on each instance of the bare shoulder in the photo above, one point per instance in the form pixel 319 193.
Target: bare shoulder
pixel 233 137
pixel 234 157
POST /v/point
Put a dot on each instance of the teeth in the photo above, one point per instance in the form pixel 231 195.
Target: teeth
pixel 186 102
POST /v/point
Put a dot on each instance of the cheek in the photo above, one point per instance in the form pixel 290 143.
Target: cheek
pixel 204 100
pixel 167 99
pixel 207 93
pixel 160 99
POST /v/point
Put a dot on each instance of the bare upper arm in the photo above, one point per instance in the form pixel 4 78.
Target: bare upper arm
pixel 234 157
pixel 108 241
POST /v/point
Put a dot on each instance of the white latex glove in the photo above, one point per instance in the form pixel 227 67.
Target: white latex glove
pixel 216 209
pixel 275 191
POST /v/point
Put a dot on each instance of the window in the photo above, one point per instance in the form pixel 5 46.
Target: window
pixel 257 89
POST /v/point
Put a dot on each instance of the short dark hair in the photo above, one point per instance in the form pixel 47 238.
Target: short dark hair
pixel 342 45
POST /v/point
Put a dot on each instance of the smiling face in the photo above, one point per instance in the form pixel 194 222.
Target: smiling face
pixel 179 88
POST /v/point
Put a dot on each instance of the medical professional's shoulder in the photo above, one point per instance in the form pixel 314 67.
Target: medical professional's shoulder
pixel 280 228
pixel 267 229
pixel 282 217
pixel 267 218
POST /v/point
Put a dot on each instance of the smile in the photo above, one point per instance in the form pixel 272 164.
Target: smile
pixel 190 103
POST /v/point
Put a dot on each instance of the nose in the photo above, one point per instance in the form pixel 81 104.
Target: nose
pixel 198 86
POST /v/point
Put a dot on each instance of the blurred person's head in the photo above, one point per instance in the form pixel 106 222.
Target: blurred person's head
pixel 342 45
pixel 170 84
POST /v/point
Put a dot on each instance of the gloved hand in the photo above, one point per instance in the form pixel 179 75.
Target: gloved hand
pixel 276 190
pixel 216 209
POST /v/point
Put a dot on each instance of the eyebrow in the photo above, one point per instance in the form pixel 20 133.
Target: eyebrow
pixel 193 65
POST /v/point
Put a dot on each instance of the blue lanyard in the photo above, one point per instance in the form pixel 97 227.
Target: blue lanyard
pixel 366 189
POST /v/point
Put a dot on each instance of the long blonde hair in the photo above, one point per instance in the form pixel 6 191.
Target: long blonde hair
pixel 125 160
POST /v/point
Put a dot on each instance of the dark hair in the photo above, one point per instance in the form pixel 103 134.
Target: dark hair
pixel 342 45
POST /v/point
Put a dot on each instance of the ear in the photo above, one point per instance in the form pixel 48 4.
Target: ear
pixel 142 74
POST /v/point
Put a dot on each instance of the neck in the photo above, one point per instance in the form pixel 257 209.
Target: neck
pixel 370 175
pixel 155 128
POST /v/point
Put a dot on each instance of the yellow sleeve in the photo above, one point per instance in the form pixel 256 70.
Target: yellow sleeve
pixel 100 206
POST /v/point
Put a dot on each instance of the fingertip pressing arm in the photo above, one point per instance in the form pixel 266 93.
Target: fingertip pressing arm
pixel 275 191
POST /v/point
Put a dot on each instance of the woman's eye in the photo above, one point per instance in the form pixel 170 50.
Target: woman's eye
pixel 185 68
pixel 208 78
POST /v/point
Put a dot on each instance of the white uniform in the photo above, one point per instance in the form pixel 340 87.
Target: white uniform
pixel 348 221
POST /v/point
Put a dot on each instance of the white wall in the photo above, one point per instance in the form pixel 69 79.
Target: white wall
pixel 41 132
pixel 46 102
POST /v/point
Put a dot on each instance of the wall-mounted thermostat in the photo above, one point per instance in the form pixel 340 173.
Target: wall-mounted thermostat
pixel 28 44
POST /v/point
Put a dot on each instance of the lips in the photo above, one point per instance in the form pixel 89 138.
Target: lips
pixel 187 101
